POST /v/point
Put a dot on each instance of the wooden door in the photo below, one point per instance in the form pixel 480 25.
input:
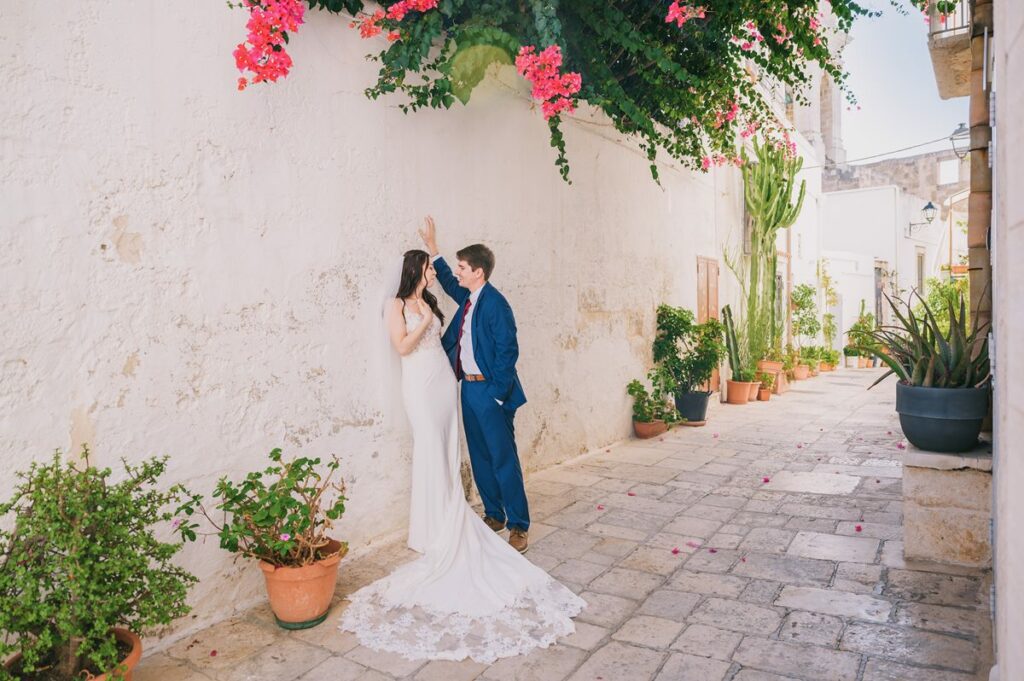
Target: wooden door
pixel 707 299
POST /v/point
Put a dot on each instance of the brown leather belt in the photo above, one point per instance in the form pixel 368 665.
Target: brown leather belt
pixel 473 377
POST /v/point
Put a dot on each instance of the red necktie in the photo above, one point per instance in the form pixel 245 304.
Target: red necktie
pixel 458 340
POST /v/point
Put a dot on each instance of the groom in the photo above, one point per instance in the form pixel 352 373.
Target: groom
pixel 481 345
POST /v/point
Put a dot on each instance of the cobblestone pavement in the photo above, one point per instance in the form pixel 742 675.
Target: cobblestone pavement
pixel 762 547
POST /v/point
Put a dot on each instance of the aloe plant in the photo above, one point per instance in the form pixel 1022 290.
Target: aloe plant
pixel 921 354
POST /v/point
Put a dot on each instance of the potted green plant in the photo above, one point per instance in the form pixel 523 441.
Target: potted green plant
pixel 280 516
pixel 652 413
pixel 764 392
pixel 942 396
pixel 810 357
pixel 850 357
pixel 830 356
pixel 860 335
pixel 739 387
pixel 805 325
pixel 82 572
pixel 689 354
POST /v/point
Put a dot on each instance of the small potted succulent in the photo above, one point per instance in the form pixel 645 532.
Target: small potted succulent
pixel 764 393
pixel 82 572
pixel 689 354
pixel 850 357
pixel 742 386
pixel 652 413
pixel 942 396
pixel 280 516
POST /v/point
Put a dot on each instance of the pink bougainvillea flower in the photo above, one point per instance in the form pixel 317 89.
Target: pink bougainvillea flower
pixel 857 528
pixel 693 544
pixel 675 550
pixel 888 432
pixel 714 435
pixel 284 536
pixel 600 507
pixel 630 494
pixel 393 36
pixel 552 87
pixel 712 550
pixel 766 479
pixel 398 10
pixel 680 14
pixel 900 445
pixel 213 653
pixel 799 446
pixel 743 559
pixel 263 54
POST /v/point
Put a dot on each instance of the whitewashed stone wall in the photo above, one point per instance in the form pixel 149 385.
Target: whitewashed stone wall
pixel 188 270
pixel 1008 320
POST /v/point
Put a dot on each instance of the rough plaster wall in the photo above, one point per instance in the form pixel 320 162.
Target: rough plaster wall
pixel 188 270
pixel 1008 316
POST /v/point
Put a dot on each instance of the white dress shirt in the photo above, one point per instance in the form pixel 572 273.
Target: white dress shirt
pixel 466 356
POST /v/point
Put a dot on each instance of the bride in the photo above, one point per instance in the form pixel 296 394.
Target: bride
pixel 470 594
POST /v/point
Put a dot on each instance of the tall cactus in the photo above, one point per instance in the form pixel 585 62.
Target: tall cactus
pixel 731 345
pixel 768 192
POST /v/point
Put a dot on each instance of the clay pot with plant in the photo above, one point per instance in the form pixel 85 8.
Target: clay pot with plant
pixel 767 382
pixel 280 516
pixel 82 572
pixel 740 386
pixel 652 413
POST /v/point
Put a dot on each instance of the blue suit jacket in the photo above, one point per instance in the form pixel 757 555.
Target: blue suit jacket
pixel 494 337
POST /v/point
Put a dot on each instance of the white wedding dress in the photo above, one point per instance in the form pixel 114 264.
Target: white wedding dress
pixel 470 594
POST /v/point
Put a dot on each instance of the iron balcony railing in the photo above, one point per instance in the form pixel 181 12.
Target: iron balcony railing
pixel 947 25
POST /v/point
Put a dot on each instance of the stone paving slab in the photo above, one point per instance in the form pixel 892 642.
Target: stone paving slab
pixel 694 567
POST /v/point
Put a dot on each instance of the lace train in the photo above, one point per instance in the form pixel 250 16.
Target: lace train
pixel 535 620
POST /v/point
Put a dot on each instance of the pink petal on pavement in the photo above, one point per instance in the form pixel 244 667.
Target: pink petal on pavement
pixel 675 551
pixel 630 494
pixel 714 435
pixel 712 550
pixel 693 544
pixel 857 528
pixel 766 479
pixel 600 507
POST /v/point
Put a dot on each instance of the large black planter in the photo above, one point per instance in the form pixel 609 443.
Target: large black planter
pixel 693 406
pixel 941 419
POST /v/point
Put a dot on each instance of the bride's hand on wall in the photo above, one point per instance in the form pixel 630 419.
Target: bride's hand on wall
pixel 428 232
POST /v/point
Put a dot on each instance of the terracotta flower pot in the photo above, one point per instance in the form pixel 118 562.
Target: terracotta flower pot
pixel 301 596
pixel 128 664
pixel 862 362
pixel 824 366
pixel 781 383
pixel 649 429
pixel 769 366
pixel 813 370
pixel 764 394
pixel 753 387
pixel 737 392
pixel 800 372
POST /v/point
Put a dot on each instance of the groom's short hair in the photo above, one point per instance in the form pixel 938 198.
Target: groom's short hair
pixel 478 257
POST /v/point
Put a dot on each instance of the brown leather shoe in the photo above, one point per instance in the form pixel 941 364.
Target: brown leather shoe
pixel 494 523
pixel 518 539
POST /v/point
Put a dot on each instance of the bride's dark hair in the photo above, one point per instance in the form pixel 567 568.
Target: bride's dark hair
pixel 414 265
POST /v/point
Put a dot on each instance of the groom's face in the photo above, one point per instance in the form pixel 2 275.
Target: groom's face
pixel 468 277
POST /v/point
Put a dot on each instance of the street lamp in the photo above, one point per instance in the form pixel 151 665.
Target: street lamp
pixel 961 141
pixel 928 213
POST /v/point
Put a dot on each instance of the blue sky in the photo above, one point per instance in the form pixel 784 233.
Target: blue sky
pixel 891 74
